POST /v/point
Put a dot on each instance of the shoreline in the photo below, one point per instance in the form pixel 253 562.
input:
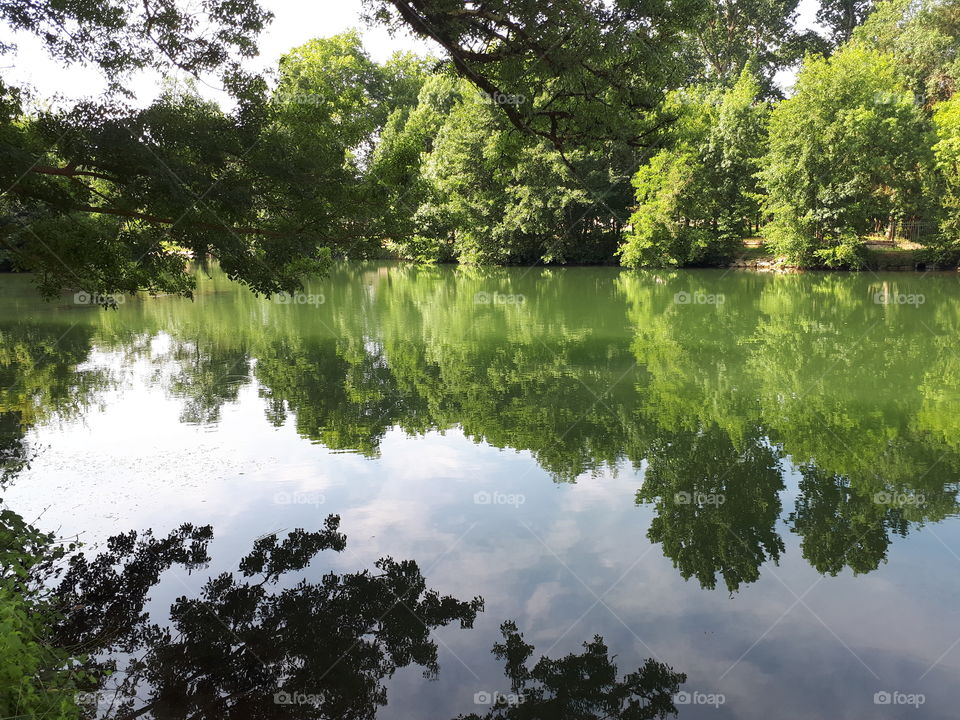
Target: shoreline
pixel 781 267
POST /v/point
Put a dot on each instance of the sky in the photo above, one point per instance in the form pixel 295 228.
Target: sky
pixel 295 22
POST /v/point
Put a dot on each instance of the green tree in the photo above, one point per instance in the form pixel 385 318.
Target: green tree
pixel 946 151
pixel 924 37
pixel 332 92
pixel 849 152
pixel 589 71
pixel 697 199
pixel 108 201
pixel 410 220
pixel 331 102
pixel 463 184
pixel 111 200
pixel 842 17
pixel 732 33
pixel 105 198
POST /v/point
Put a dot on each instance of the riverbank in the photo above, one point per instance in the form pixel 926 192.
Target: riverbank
pixel 882 255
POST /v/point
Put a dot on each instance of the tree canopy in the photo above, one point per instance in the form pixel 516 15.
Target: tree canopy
pixel 849 150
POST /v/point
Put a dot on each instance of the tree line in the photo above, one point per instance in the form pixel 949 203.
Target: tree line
pixel 580 132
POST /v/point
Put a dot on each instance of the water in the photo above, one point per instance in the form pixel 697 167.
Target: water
pixel 750 478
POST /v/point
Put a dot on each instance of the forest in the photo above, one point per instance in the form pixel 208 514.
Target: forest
pixel 575 132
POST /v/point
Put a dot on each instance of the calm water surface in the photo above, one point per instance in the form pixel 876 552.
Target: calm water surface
pixel 752 479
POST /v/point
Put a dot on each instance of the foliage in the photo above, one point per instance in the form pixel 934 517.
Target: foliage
pixel 842 17
pixel 37 678
pixel 730 34
pixel 110 200
pixel 946 119
pixel 410 220
pixel 697 199
pixel 588 72
pixel 104 198
pixel 849 153
pixel 120 37
pixel 463 185
pixel 924 37
pixel 514 147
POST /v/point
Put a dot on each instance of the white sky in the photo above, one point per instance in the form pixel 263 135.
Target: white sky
pixel 295 22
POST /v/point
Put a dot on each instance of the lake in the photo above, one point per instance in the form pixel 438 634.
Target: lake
pixel 749 478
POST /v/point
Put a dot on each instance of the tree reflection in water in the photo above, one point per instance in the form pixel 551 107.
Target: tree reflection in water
pixel 581 686
pixel 260 643
pixel 714 401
